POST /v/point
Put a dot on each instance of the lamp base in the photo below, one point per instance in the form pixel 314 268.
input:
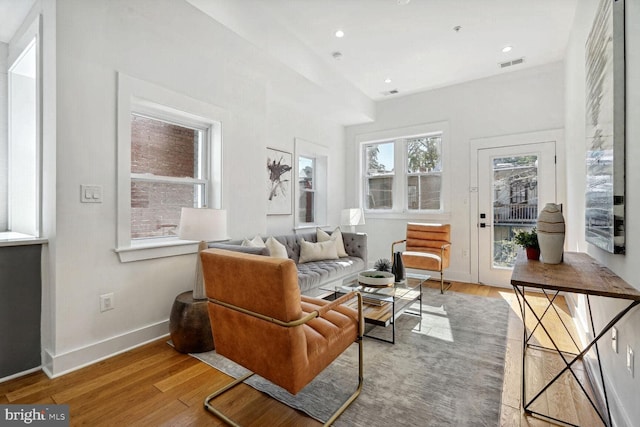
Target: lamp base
pixel 189 325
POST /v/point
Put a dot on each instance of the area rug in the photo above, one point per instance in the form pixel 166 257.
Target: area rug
pixel 445 370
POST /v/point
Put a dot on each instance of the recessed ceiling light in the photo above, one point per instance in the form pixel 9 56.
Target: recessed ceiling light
pixel 387 80
pixel 339 34
pixel 506 49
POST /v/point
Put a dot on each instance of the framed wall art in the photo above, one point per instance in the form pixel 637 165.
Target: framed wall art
pixel 605 139
pixel 279 182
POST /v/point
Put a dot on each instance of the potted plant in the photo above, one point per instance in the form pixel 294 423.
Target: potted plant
pixel 529 241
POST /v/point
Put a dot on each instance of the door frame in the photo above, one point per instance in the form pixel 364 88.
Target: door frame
pixel 503 141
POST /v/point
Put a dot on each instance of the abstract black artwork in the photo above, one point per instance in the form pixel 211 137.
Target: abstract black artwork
pixel 279 185
pixel 605 91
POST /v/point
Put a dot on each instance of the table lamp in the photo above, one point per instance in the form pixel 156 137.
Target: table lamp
pixel 352 217
pixel 205 225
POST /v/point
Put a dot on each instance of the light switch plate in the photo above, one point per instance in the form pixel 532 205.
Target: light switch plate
pixel 91 193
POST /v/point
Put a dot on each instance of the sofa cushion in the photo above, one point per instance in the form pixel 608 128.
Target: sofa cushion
pixel 336 236
pixel 256 242
pixel 239 248
pixel 276 249
pixel 317 251
pixel 312 275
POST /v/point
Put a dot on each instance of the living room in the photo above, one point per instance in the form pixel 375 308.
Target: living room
pixel 269 92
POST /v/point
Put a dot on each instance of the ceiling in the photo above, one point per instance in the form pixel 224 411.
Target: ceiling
pixel 412 42
pixel 13 13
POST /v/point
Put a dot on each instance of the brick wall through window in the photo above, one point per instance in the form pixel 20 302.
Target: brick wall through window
pixel 160 149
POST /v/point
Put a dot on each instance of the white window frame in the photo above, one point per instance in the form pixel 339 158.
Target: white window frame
pixel 311 190
pixel 24 191
pixel 400 183
pixel 204 130
pixel 408 174
pixel 139 97
pixel 320 156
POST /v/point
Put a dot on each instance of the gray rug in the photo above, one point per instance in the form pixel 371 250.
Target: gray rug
pixel 446 370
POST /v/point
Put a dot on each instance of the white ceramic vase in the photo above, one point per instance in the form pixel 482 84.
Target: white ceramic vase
pixel 551 234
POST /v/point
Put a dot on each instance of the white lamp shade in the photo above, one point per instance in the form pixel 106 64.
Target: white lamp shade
pixel 352 216
pixel 203 224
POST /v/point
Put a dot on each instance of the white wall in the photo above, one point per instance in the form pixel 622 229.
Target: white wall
pixel 624 389
pixel 4 51
pixel 512 103
pixel 171 44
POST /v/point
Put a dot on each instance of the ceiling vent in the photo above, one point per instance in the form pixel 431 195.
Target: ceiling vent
pixel 390 92
pixel 510 63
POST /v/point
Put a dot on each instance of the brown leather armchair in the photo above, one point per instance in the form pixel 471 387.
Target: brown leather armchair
pixel 261 321
pixel 427 247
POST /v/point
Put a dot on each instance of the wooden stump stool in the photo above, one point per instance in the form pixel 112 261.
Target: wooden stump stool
pixel 189 325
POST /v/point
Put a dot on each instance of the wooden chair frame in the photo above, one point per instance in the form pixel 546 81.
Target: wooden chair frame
pixel 294 323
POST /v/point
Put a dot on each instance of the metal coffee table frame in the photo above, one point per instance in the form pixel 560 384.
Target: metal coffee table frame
pixel 398 303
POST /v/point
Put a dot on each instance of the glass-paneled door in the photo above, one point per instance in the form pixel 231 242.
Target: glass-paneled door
pixel 514 184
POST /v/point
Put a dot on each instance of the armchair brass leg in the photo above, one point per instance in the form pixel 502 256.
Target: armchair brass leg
pixel 356 393
pixel 443 283
pixel 220 391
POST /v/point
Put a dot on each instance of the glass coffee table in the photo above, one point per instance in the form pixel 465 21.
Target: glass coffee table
pixel 383 305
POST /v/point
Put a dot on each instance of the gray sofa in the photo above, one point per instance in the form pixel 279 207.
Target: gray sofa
pixel 313 275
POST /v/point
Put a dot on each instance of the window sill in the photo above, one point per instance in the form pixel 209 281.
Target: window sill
pixel 10 238
pixel 156 249
pixel 431 216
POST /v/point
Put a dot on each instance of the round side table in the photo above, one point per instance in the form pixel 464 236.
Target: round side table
pixel 189 324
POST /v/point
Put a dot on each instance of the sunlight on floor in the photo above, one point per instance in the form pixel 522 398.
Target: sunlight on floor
pixel 435 323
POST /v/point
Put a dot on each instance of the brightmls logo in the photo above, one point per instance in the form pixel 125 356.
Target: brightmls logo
pixel 37 415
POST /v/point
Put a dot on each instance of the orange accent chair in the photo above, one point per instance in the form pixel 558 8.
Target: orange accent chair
pixel 261 321
pixel 427 247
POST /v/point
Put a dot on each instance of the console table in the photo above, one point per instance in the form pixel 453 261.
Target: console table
pixel 581 274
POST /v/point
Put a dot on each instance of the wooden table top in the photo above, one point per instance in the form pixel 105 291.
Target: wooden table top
pixel 579 273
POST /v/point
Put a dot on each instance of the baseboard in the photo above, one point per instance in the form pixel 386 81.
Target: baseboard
pixel 618 414
pixel 55 365
pixel 20 374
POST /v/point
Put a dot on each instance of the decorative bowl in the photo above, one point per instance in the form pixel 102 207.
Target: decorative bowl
pixel 374 278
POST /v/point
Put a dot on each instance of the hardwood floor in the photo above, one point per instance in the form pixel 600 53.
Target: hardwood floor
pixel 154 385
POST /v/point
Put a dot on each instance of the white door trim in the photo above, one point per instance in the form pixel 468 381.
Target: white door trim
pixel 475 144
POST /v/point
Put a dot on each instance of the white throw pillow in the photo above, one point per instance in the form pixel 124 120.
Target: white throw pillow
pixel 336 236
pixel 256 242
pixel 317 251
pixel 276 249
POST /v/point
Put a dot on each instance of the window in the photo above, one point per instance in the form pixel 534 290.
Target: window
pixel 405 173
pixel 424 172
pixel 306 187
pixel 20 135
pixel 379 175
pixel 311 196
pixel 168 171
pixel 169 157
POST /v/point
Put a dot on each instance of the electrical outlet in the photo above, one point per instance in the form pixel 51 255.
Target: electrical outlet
pixel 614 339
pixel 106 302
pixel 630 360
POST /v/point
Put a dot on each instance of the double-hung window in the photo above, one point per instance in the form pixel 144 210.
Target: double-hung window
pixel 169 157
pixel 312 174
pixel 306 189
pixel 424 172
pixel 379 175
pixel 169 170
pixel 404 174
